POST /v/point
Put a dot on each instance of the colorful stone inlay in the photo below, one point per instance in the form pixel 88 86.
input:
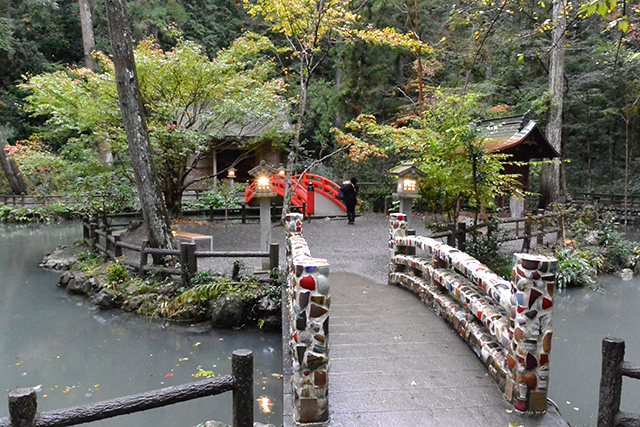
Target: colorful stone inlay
pixel 506 323
pixel 309 302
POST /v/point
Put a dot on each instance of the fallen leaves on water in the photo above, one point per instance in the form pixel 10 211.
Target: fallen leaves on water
pixel 278 376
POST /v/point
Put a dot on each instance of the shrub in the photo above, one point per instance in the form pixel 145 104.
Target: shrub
pixel 221 197
pixel 576 268
pixel 117 273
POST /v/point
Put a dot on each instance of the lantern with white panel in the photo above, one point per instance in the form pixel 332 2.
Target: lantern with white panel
pixel 408 175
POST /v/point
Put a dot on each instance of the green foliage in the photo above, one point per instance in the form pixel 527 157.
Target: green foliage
pixel 44 213
pixel 222 197
pixel 445 144
pixel 90 263
pixel 593 246
pixel 207 288
pixel 117 274
pixel 486 247
pixel 190 101
pixel 104 193
pixel 575 268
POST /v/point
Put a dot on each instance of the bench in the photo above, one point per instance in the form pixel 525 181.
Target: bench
pixel 193 237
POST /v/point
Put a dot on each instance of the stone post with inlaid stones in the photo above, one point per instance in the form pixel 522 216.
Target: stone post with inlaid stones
pixel 309 303
pixel 533 278
pixel 397 228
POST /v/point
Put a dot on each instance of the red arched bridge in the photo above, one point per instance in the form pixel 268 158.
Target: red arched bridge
pixel 323 200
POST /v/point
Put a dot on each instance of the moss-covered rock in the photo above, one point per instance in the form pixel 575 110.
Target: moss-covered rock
pixel 226 303
pixel 228 311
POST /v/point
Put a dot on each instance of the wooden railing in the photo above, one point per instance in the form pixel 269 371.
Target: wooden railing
pixel 31 200
pixel 527 229
pixel 112 245
pixel 507 324
pixel 23 403
pixel 614 367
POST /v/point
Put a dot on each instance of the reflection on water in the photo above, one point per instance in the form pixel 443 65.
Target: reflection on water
pixel 77 354
pixel 581 319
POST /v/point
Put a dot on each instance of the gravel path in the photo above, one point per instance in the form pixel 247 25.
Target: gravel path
pixel 360 249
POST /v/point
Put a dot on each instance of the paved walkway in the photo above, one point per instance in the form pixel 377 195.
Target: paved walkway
pixel 393 361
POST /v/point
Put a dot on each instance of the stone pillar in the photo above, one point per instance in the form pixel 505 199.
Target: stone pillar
pixel 397 228
pixel 265 228
pixel 309 301
pixel 406 206
pixel 533 277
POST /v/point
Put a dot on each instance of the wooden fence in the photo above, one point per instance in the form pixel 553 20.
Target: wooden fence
pixel 527 229
pixel 508 324
pixel 112 245
pixel 23 200
pixel 614 367
pixel 23 403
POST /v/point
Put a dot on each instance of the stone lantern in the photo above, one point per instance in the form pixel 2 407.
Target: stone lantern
pixel 264 192
pixel 407 190
pixel 231 175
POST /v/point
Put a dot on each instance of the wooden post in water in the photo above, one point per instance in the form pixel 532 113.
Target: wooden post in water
pixel 23 406
pixel 610 381
pixel 242 372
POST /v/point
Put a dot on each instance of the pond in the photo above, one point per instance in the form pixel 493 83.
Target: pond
pixel 581 319
pixel 76 354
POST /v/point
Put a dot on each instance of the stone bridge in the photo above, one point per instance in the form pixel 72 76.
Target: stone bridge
pixel 359 352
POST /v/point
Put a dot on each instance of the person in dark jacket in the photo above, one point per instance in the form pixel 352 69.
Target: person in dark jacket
pixel 349 198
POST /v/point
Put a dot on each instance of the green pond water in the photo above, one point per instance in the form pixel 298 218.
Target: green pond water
pixel 581 319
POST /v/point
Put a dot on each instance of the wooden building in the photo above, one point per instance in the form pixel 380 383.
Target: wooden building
pixel 239 150
pixel 522 139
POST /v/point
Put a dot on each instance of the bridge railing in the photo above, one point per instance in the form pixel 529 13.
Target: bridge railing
pixel 614 367
pixel 300 183
pixel 507 324
pixel 308 302
pixel 23 402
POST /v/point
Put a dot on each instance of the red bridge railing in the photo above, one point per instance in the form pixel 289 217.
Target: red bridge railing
pixel 321 185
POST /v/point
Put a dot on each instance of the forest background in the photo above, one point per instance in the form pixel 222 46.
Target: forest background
pixel 498 51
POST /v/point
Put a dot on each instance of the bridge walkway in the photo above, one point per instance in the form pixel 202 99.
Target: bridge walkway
pixel 394 362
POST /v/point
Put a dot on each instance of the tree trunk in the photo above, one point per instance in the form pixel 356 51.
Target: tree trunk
pixel 88 42
pixel 152 203
pixel 305 78
pixel 17 182
pixel 551 172
pixel 173 197
pixel 88 39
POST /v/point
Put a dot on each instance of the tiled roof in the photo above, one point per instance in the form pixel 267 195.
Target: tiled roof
pixel 505 134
